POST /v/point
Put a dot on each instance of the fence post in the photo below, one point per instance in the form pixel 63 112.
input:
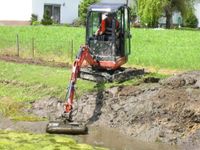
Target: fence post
pixel 33 48
pixel 17 42
pixel 72 50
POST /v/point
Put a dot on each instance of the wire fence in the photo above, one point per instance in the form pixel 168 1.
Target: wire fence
pixel 30 47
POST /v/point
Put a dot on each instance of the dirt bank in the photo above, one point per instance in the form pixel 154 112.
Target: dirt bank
pixel 167 111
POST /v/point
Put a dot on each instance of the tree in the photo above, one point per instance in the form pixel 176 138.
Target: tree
pixel 84 8
pixel 151 10
pixel 133 10
pixel 191 20
pixel 184 6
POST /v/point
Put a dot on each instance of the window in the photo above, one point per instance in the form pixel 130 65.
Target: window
pixel 54 11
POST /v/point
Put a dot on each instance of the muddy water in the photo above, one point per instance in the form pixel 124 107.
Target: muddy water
pixel 112 139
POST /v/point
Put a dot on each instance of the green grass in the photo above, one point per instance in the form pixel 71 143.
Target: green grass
pixel 30 82
pixel 24 141
pixel 51 43
pixel 170 49
pixel 24 83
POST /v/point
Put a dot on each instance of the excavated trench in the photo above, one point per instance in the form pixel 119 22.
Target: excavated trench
pixel 167 111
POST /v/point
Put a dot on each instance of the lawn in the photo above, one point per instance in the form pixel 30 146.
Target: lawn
pixel 52 43
pixel 170 49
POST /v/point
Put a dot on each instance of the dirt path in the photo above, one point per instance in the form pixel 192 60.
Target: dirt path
pixel 35 61
pixel 167 111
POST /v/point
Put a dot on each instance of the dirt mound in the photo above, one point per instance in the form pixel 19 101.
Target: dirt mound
pixel 167 111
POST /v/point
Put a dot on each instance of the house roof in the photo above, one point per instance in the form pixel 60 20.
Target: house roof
pixel 106 7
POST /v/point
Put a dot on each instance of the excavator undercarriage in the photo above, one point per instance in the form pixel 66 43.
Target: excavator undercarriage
pixel 119 75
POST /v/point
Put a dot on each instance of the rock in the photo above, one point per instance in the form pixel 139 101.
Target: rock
pixel 196 118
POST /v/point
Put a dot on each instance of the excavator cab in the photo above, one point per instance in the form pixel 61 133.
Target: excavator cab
pixel 114 46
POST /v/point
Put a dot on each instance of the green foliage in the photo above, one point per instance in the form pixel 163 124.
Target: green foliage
pixel 150 11
pixel 34 18
pixel 47 18
pixel 191 20
pixel 24 141
pixel 78 22
pixel 83 9
pixel 133 12
pixel 35 23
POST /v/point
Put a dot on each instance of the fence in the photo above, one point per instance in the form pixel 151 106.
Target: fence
pixel 50 50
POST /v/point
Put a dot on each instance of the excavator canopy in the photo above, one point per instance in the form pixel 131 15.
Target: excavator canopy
pixel 106 7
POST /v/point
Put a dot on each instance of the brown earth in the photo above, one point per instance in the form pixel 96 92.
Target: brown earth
pixel 167 111
pixel 34 61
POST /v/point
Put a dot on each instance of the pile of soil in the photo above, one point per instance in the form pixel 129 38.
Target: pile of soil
pixel 167 111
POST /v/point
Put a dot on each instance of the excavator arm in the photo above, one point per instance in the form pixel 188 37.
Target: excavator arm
pixel 83 54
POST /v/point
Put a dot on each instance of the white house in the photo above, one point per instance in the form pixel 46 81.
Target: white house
pixel 19 11
pixel 62 11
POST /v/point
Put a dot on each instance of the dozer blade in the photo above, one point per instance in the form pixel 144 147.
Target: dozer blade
pixel 119 75
pixel 61 127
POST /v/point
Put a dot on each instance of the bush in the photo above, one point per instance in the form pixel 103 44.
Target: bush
pixel 35 23
pixel 191 21
pixel 47 19
pixel 34 18
pixel 77 22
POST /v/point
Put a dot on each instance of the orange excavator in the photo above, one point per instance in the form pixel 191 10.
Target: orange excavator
pixel 104 53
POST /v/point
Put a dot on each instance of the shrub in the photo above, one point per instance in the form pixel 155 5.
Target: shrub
pixel 77 22
pixel 35 23
pixel 34 18
pixel 47 18
pixel 191 20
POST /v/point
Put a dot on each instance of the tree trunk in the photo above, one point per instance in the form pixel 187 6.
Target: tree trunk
pixel 168 21
pixel 168 14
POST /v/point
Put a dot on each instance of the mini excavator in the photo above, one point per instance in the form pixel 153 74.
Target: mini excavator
pixel 105 54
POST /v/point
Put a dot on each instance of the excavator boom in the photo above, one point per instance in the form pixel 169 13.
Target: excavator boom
pixel 82 55
pixel 66 125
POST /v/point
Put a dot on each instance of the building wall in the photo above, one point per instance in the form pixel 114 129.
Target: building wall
pixel 197 12
pixel 69 9
pixel 13 10
pixel 21 10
